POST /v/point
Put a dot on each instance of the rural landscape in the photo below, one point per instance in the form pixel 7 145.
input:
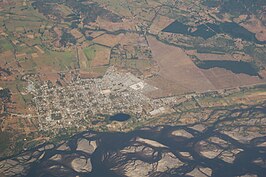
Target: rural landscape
pixel 156 88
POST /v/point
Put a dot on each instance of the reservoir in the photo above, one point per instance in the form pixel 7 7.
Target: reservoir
pixel 120 117
pixel 236 67
pixel 202 30
pixel 209 30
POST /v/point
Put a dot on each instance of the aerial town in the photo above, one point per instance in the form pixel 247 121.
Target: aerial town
pixel 179 83
pixel 116 92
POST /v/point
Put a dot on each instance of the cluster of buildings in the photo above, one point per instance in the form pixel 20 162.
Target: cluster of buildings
pixel 94 100
pixel 115 92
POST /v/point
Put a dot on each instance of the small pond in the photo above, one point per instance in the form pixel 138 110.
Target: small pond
pixel 120 117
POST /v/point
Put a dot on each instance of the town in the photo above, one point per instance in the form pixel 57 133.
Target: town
pixel 115 92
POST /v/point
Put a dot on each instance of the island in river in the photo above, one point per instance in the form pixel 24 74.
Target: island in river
pixel 215 147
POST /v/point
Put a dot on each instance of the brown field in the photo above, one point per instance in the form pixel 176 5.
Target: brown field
pixel 102 56
pixel 176 67
pixel 178 71
pixel 78 35
pixel 159 23
pixel 6 56
pixel 83 61
pixel 21 55
pixel 51 63
pixel 116 6
pixel 45 76
pixel 222 78
pixel 108 39
pixel 123 39
pixel 64 10
pixel 28 64
pixel 210 56
pixel 93 73
pixel 133 39
pixel 39 49
pixel 20 99
pixel 93 60
pixel 254 25
pixel 110 26
pixel 95 34
pixel 58 31
pixel 20 125
pixel 34 55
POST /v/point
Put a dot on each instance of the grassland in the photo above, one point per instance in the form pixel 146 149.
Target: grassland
pixel 86 56
pixel 90 52
pixel 5 45
pixel 94 59
pixel 54 61
pixel 4 141
pixel 118 6
pixel 102 55
pixel 64 10
pixel 21 99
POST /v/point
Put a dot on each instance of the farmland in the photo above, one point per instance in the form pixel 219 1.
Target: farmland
pixel 49 47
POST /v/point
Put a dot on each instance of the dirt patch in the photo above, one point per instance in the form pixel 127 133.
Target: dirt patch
pixel 102 56
pixel 90 74
pixel 76 33
pixel 39 49
pixel 122 39
pixel 127 24
pixel 254 25
pixel 108 39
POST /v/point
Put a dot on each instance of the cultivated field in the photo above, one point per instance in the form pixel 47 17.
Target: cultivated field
pixel 178 71
pixel 176 67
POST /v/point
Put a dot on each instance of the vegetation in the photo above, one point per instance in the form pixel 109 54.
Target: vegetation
pixel 4 141
pixel 48 38
pixel 5 45
pixel 89 52
pixel 67 38
pixel 5 94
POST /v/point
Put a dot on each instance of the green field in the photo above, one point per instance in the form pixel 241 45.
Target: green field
pixel 4 141
pixel 5 45
pixel 57 61
pixel 90 52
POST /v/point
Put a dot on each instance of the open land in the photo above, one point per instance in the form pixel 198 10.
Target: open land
pixel 66 67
